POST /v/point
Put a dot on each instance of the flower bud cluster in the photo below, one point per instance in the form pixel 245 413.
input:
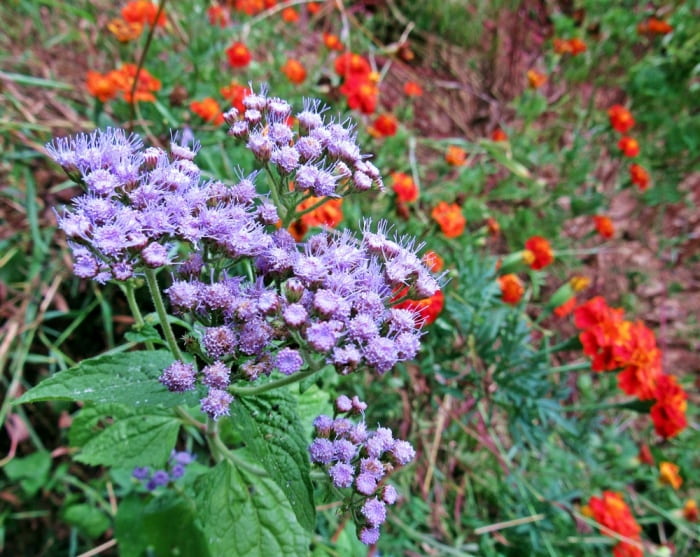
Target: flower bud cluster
pixel 153 479
pixel 358 458
pixel 321 157
pixel 139 201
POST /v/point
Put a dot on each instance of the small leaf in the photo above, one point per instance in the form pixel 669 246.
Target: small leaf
pixel 129 378
pixel 247 515
pixel 31 471
pixel 90 521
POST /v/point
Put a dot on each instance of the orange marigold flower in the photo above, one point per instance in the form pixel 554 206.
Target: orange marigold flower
pixel 238 55
pixel 143 11
pixel 536 79
pixel 404 187
pixel 668 413
pixel 541 250
pixel 621 119
pixel 578 46
pixel 499 135
pixel 562 46
pixel 313 8
pixel 566 308
pixel 428 309
pixel 332 42
pixel 329 214
pixel 639 176
pixel 690 510
pixel 455 156
pixel 641 360
pixel 511 288
pixel 350 63
pixel 125 31
pixel 208 110
pixel 412 89
pixel 290 15
pixel 218 15
pixel 146 84
pixel 579 283
pixel 645 456
pixel 361 93
pixel 604 226
pixel 384 125
pixel 612 512
pixel 450 218
pixel 234 93
pixel 433 261
pixel 295 72
pixel 103 87
pixel 602 329
pixel 668 475
pixel 654 26
pixel 493 227
pixel 629 146
pixel 252 7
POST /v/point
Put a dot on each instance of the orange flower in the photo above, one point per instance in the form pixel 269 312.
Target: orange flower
pixel 511 288
pixel 566 308
pixel 412 89
pixel 349 64
pixel 641 360
pixel 639 176
pixel 493 227
pixel 125 31
pixel 612 512
pixel 536 79
pixel 295 72
pixel 690 510
pixel 569 46
pixel 329 214
pixel 668 413
pixel 404 187
pixel 433 261
pixel 604 226
pixel 628 146
pixel 384 125
pixel 290 15
pixel 578 46
pixel 234 93
pixel 645 456
pixel 146 84
pixel 499 135
pixel 101 86
pixel 252 7
pixel 428 309
pixel 208 110
pixel 450 218
pixel 654 26
pixel 579 283
pixel 361 93
pixel 602 329
pixel 668 475
pixel 620 118
pixel 332 42
pixel 313 8
pixel 238 55
pixel 455 156
pixel 218 15
pixel 541 251
pixel 143 11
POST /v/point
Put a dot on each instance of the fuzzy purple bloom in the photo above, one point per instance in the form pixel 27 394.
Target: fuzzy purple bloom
pixel 321 451
pixel 178 377
pixel 217 375
pixel 341 474
pixel 216 404
pixel 368 536
pixel 288 361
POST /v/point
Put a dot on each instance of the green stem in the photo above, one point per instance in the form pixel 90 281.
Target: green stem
pixel 576 366
pixel 129 291
pixel 250 391
pixel 276 195
pixel 295 215
pixel 228 454
pixel 162 314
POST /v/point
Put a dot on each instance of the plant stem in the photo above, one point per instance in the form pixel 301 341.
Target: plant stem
pixel 129 291
pixel 249 391
pixel 576 366
pixel 162 314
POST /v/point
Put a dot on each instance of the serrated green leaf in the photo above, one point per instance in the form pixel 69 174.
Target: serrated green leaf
pixel 311 403
pixel 247 515
pixel 148 529
pixel 87 421
pixel 137 440
pixel 31 471
pixel 272 430
pixel 89 520
pixel 129 378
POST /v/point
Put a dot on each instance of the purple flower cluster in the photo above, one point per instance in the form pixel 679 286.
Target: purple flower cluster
pixel 139 201
pixel 358 458
pixel 153 479
pixel 321 157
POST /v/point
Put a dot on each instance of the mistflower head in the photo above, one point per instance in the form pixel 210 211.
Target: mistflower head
pixel 260 145
pixel 374 511
pixel 368 536
pixel 346 358
pixel 341 426
pixel 220 341
pixel 323 425
pixel 373 467
pixel 155 255
pixel 217 403
pixel 366 484
pixel 402 452
pixel 311 117
pixel 141 472
pixel 183 145
pixel 295 315
pixel 381 354
pixel 217 375
pixel 159 478
pixel 345 450
pixel 288 361
pixel 281 133
pixel 286 158
pixel 389 494
pixel 309 148
pixel 322 451
pixel 341 474
pixel 343 404
pixel 322 336
pixel 178 377
pixel 362 327
pixel 358 406
pixel 381 441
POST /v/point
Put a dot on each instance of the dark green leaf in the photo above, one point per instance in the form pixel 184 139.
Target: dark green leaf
pixel 89 520
pixel 30 471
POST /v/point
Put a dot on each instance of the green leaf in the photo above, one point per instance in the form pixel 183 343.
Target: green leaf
pixel 31 472
pixel 272 430
pixel 247 515
pixel 90 521
pixel 115 435
pixel 164 526
pixel 311 403
pixel 129 378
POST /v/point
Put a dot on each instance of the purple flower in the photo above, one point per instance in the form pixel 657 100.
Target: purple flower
pixel 374 511
pixel 368 536
pixel 216 404
pixel 288 361
pixel 403 452
pixel 323 425
pixel 184 295
pixel 178 377
pixel 381 354
pixel 343 404
pixel 286 158
pixel 345 450
pixel 159 479
pixel 281 133
pixel 389 494
pixel 366 484
pixel 321 336
pixel 321 451
pixel 155 255
pixel 342 474
pixel 382 440
pixel 219 342
pixel 141 472
pixel 217 375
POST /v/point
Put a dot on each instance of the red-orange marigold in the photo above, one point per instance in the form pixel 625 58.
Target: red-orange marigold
pixel 428 308
pixel 511 288
pixel 332 42
pixel 612 512
pixel 404 187
pixel 604 226
pixel 621 119
pixel 295 72
pixel 208 110
pixel 668 413
pixel 384 125
pixel 455 156
pixel 450 219
pixel 499 135
pixel 629 146
pixel 639 176
pixel 238 55
pixel 541 250
pixel 290 15
pixel 102 86
pixel 536 79
pixel 412 89
pixel 143 11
